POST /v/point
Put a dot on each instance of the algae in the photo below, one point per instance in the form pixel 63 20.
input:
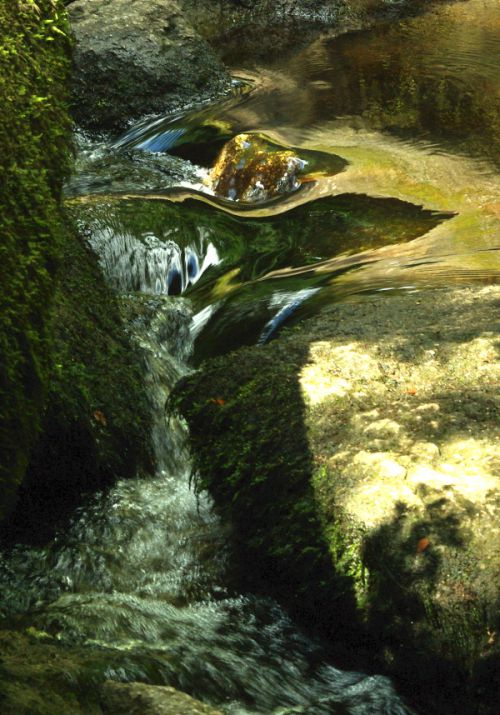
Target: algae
pixel 67 424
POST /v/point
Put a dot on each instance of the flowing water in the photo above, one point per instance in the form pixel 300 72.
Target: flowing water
pixel 400 129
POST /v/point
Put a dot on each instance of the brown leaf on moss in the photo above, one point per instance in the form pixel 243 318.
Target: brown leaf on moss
pixel 100 417
pixel 423 544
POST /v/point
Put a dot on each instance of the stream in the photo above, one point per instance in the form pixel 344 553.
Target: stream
pixel 399 127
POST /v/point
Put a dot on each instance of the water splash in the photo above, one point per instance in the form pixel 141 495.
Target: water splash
pixel 150 264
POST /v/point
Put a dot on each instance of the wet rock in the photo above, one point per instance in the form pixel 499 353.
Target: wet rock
pixel 134 57
pixel 38 676
pixel 250 169
pixel 142 699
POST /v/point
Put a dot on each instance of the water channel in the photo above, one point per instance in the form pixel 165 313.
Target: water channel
pixel 400 129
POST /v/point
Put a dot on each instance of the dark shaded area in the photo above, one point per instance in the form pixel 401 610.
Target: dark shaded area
pixel 449 651
pixel 96 422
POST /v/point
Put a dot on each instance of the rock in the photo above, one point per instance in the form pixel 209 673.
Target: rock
pixel 250 169
pixel 142 699
pixel 372 493
pixel 34 68
pixel 39 676
pixel 136 57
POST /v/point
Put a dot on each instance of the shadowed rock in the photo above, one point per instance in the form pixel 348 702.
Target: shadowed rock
pixel 134 57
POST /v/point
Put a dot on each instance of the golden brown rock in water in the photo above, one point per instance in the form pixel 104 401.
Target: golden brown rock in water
pixel 250 169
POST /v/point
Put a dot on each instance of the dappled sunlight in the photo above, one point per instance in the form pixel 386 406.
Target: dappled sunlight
pixel 322 379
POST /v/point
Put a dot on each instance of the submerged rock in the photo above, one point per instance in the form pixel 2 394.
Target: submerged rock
pixel 250 169
pixel 134 57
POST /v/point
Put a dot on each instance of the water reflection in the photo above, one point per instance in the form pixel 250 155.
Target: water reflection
pixel 435 75
pixel 372 216
pixel 253 273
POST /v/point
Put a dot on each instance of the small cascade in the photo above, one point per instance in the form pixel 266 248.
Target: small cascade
pixel 390 197
pixel 142 570
pixel 144 538
pixel 150 264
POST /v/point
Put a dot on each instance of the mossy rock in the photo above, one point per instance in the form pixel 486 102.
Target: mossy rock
pixel 34 159
pixel 70 418
pixel 96 422
pixel 39 676
pixel 355 458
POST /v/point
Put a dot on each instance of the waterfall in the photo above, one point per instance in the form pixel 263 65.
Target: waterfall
pixel 142 568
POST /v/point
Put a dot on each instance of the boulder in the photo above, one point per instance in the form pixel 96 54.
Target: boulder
pixel 136 57
pixel 34 68
pixel 357 460
pixel 250 169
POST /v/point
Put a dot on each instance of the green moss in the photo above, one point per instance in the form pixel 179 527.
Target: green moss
pixel 426 616
pixel 96 422
pixel 34 158
pixel 254 460
pixel 344 538
pixel 39 676
pixel 73 414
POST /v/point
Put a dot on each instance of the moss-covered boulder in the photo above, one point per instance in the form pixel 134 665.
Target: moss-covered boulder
pixel 72 409
pixel 96 421
pixel 34 158
pixel 356 458
pixel 39 676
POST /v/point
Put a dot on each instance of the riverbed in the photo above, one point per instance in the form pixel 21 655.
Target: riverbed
pixel 400 126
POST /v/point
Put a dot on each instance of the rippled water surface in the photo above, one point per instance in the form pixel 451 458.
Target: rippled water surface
pixel 400 129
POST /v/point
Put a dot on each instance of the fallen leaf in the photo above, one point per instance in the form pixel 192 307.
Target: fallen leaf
pixel 100 417
pixel 423 544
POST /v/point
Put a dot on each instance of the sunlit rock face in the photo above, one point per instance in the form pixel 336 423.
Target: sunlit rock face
pixel 250 169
